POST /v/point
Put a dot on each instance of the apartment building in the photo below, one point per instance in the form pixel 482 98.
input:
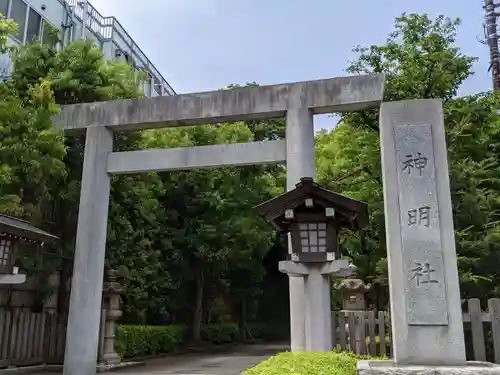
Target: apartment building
pixel 79 19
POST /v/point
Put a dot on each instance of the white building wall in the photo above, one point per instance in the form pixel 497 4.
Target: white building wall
pixel 106 32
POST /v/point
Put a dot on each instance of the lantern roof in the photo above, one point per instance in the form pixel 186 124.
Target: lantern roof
pixel 349 213
pixel 23 230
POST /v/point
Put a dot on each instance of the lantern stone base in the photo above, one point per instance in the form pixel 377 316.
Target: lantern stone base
pixel 317 289
pixel 390 368
pixel 12 279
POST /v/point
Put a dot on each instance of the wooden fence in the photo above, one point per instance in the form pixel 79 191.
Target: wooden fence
pixel 32 338
pixel 369 332
pixel 28 338
pixel 362 332
pixel 483 340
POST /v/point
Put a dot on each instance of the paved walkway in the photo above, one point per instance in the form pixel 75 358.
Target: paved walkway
pixel 228 363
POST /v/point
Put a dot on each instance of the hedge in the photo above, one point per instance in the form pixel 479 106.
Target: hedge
pixel 220 333
pixel 307 364
pixel 136 340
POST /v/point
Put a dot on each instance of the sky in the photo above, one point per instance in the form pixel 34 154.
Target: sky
pixel 204 45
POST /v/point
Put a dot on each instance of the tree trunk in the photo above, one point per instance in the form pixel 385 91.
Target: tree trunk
pixel 198 310
pixel 243 320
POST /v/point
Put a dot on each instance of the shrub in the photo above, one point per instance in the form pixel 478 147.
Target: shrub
pixel 220 333
pixel 135 340
pixel 138 340
pixel 268 331
pixel 377 343
pixel 308 364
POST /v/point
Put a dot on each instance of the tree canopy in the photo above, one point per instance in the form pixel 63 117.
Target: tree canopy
pixel 178 240
pixel 421 60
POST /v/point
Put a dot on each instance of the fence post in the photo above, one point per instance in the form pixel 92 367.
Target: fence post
pixel 381 333
pixel 334 330
pixel 361 333
pixel 494 309
pixel 372 348
pixel 476 322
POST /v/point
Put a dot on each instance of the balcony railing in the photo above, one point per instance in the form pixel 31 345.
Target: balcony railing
pixel 101 26
pixel 108 28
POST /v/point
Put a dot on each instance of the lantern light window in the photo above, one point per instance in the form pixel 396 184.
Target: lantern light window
pixel 5 247
pixel 313 237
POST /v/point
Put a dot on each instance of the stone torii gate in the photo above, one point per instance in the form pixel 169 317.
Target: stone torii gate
pixel 297 102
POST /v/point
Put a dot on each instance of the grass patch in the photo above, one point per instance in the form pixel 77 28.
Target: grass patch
pixel 301 363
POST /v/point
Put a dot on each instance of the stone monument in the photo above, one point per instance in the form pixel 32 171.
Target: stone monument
pixel 426 314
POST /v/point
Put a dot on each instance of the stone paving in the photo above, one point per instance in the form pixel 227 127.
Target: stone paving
pixel 228 363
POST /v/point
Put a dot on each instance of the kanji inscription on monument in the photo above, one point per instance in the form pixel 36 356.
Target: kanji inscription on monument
pixel 420 231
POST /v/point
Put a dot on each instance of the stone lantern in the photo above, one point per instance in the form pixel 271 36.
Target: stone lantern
pixel 13 233
pixel 112 291
pixel 313 216
pixel 352 291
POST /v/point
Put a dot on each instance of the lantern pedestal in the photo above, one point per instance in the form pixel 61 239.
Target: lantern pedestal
pixel 318 323
pixel 12 279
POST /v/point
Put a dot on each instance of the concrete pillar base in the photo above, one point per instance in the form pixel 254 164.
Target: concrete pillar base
pixel 390 368
pixel 317 320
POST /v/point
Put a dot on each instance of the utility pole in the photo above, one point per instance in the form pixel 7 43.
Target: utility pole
pixel 490 28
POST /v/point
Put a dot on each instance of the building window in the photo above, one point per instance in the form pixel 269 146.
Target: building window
pixel 18 14
pixel 313 237
pixel 157 86
pixel 47 36
pixel 4 252
pixel 5 68
pixel 4 7
pixel 34 26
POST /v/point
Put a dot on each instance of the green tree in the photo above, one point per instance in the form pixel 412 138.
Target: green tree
pixel 80 73
pixel 210 216
pixel 31 151
pixel 421 60
pixel 178 239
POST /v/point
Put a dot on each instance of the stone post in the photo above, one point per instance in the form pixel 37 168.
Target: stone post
pixel 420 236
pixel 82 340
pixel 300 162
pixel 426 314
pixel 112 292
